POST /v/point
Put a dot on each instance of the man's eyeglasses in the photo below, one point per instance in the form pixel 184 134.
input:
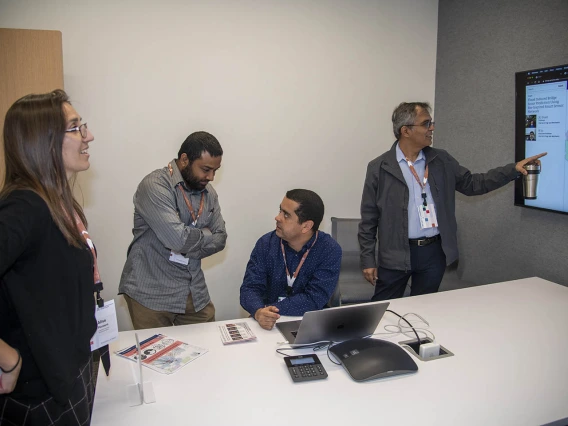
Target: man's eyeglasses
pixel 81 129
pixel 427 124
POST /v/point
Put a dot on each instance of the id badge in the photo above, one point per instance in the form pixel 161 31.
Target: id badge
pixel 178 258
pixel 427 216
pixel 107 326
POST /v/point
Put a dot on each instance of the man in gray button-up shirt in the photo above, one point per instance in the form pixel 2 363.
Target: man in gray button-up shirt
pixel 177 222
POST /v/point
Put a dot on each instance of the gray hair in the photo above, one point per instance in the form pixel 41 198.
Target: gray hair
pixel 405 114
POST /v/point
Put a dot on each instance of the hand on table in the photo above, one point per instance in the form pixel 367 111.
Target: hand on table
pixel 267 317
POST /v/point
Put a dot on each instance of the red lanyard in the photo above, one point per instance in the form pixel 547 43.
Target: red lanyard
pixel 187 202
pixel 96 275
pixel 91 246
pixel 422 185
pixel 190 207
pixel 289 278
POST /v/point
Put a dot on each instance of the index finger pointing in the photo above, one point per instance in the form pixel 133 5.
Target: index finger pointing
pixel 535 157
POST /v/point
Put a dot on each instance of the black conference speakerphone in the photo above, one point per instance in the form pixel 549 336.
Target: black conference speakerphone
pixel 303 368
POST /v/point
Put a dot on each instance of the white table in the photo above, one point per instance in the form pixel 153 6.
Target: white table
pixel 510 367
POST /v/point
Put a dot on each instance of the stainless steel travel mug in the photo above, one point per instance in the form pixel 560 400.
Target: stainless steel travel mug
pixel 530 181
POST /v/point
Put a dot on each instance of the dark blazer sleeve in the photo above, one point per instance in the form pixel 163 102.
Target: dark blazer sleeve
pixel 370 216
pixel 481 183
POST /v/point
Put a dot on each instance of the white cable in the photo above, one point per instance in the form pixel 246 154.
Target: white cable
pixel 402 328
pixel 416 315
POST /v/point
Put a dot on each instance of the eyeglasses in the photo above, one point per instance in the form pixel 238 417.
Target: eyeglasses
pixel 81 129
pixel 427 124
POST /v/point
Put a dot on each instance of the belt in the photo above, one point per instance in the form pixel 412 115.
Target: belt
pixel 421 242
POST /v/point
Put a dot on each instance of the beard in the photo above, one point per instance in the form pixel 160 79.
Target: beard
pixel 191 180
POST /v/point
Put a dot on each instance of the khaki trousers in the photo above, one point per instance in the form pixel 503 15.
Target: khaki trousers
pixel 143 317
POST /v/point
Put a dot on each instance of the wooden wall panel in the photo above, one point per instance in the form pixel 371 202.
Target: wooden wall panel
pixel 31 61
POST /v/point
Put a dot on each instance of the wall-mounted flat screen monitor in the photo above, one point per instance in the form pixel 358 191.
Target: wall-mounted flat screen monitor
pixel 541 125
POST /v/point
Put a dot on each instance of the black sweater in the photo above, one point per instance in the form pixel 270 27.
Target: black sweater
pixel 47 308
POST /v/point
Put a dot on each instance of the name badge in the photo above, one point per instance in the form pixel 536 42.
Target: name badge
pixel 178 258
pixel 107 325
pixel 428 217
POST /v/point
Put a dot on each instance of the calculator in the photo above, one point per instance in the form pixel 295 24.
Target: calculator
pixel 303 368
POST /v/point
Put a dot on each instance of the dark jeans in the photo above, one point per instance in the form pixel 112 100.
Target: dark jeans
pixel 428 267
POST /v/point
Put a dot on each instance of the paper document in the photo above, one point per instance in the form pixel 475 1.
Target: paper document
pixel 163 354
pixel 236 333
pixel 107 326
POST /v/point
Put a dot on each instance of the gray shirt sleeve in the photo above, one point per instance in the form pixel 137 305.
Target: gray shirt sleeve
pixel 155 201
pixel 214 235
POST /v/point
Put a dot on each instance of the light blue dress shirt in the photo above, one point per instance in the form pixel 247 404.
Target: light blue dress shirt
pixel 415 194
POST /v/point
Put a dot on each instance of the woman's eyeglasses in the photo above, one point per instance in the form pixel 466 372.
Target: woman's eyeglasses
pixel 81 129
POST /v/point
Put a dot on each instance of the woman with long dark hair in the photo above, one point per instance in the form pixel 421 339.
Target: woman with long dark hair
pixel 47 267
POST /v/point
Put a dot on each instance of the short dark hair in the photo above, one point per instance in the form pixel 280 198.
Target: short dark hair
pixel 310 206
pixel 405 114
pixel 199 142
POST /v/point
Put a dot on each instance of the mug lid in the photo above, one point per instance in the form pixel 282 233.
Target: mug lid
pixel 532 167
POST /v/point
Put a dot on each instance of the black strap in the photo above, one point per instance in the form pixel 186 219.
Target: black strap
pixel 105 358
pixel 98 289
pixel 103 350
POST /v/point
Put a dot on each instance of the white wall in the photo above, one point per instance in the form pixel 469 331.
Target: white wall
pixel 299 93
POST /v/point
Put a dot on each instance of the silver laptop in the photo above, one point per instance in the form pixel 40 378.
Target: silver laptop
pixel 334 324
